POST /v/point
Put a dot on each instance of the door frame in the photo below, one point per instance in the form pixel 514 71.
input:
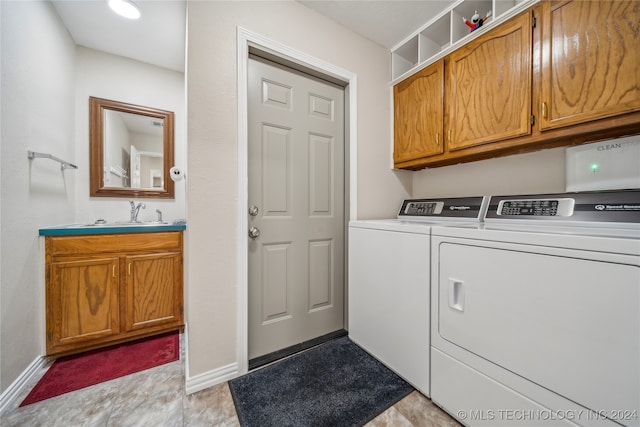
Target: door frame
pixel 248 40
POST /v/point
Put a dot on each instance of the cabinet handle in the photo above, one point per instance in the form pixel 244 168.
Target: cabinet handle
pixel 544 110
pixel 437 138
pixel 113 271
pixel 129 269
pixel 449 135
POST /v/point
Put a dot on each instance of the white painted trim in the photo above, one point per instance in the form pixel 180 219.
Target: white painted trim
pixel 15 389
pixel 211 378
pixel 242 294
pixel 245 39
pixel 205 379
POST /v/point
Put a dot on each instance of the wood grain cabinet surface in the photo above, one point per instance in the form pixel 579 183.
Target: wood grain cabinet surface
pixel 590 61
pixel 488 89
pixel 418 114
pixel 561 73
pixel 107 289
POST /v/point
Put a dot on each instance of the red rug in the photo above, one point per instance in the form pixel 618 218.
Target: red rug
pixel 83 370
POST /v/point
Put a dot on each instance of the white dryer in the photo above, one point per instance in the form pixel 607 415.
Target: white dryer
pixel 389 274
pixel 535 316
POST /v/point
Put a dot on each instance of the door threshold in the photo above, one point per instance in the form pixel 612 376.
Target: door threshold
pixel 260 361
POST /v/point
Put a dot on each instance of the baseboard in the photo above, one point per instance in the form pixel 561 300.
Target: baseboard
pixel 209 379
pixel 16 387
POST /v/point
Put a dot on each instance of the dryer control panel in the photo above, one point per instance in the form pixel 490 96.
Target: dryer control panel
pixel 588 208
pixel 537 207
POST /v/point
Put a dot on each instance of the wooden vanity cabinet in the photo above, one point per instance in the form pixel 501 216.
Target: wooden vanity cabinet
pixel 590 66
pixel 107 289
pixel 418 114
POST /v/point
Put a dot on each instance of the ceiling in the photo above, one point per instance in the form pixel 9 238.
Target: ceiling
pixel 386 22
pixel 158 37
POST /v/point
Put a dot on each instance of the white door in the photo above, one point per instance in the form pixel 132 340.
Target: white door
pixel 296 200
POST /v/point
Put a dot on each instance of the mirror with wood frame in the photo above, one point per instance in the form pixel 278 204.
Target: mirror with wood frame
pixel 130 150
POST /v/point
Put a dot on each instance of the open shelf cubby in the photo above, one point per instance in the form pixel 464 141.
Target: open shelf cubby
pixel 447 31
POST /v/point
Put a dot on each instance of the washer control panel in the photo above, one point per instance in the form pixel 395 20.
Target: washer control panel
pixel 420 208
pixel 450 208
pixel 537 207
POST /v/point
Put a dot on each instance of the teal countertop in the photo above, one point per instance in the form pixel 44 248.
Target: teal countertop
pixel 111 228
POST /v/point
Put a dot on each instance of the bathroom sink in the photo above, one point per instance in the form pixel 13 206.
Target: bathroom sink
pixel 103 223
pixel 134 224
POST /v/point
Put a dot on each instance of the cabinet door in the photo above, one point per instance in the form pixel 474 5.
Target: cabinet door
pixel 82 302
pixel 154 291
pixel 418 111
pixel 590 61
pixel 488 86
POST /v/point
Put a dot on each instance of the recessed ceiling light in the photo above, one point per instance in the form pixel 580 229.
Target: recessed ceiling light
pixel 125 8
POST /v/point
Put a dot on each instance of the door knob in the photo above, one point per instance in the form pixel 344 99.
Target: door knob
pixel 253 210
pixel 254 232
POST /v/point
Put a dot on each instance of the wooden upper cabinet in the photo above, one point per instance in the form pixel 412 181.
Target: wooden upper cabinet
pixel 590 61
pixel 489 85
pixel 418 114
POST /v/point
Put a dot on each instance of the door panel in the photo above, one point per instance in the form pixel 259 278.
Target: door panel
pixel 275 283
pixel 296 180
pixel 276 170
pixel 321 175
pixel 320 275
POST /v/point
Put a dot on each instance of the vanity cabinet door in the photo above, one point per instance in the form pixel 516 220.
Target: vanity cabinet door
pixel 82 302
pixel 153 291
pixel 489 85
pixel 590 58
pixel 418 115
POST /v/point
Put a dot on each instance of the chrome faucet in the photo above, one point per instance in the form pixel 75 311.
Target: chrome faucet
pixel 135 210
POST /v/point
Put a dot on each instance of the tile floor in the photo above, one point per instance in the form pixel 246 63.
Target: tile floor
pixel 157 398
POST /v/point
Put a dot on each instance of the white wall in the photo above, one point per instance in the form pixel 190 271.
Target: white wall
pixel 114 77
pixel 212 121
pixel 46 84
pixel 38 107
pixel 532 173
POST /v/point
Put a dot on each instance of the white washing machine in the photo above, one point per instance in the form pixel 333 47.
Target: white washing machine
pixel 389 274
pixel 535 315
